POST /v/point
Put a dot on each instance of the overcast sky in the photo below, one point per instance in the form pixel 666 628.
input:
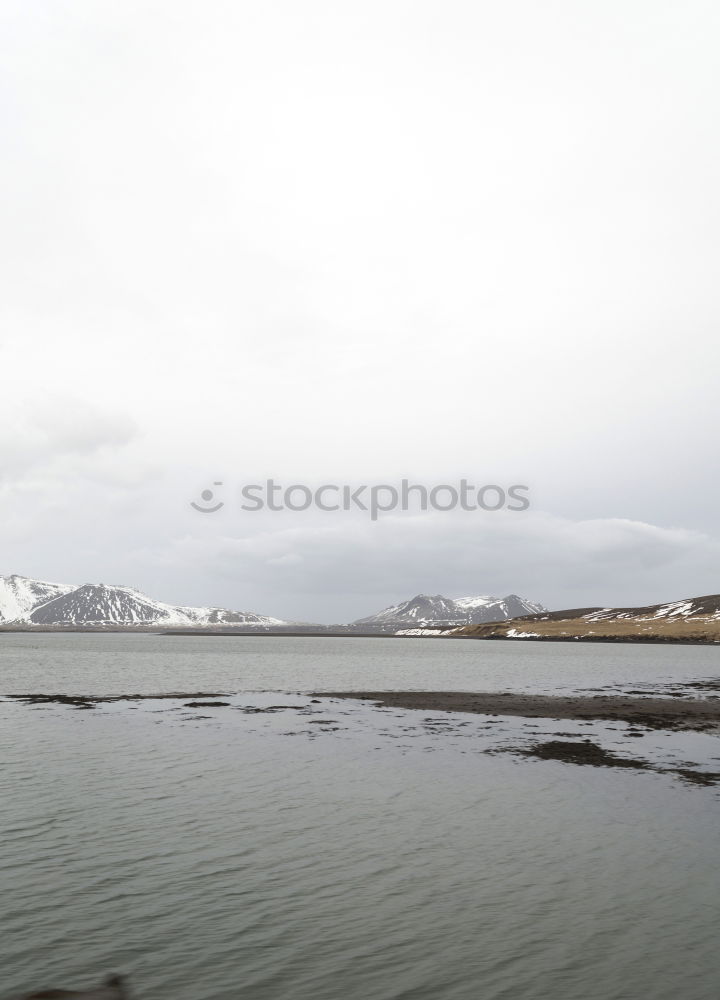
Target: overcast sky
pixel 336 242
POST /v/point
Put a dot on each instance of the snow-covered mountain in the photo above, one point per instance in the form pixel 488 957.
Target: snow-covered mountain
pixel 26 602
pixel 223 616
pixel 35 602
pixel 425 609
pixel 19 595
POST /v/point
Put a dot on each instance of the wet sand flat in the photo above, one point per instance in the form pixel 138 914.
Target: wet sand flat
pixel 657 713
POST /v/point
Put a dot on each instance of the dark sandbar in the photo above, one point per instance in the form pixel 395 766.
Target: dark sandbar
pixel 655 713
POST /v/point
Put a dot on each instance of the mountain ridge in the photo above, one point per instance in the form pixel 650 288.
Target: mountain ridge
pixel 28 602
pixel 692 619
pixel 425 609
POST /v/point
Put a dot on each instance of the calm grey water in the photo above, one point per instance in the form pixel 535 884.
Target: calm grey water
pixel 331 850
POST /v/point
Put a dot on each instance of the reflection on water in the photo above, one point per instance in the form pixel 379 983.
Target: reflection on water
pixel 326 849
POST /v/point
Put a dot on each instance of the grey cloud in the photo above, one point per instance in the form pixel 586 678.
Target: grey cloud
pixel 349 569
pixel 42 439
pixel 361 242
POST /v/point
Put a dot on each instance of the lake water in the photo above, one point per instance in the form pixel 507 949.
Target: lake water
pixel 328 849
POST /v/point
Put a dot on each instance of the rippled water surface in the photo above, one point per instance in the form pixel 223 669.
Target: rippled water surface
pixel 289 847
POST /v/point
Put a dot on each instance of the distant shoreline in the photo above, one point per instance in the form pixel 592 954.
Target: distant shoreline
pixel 331 633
